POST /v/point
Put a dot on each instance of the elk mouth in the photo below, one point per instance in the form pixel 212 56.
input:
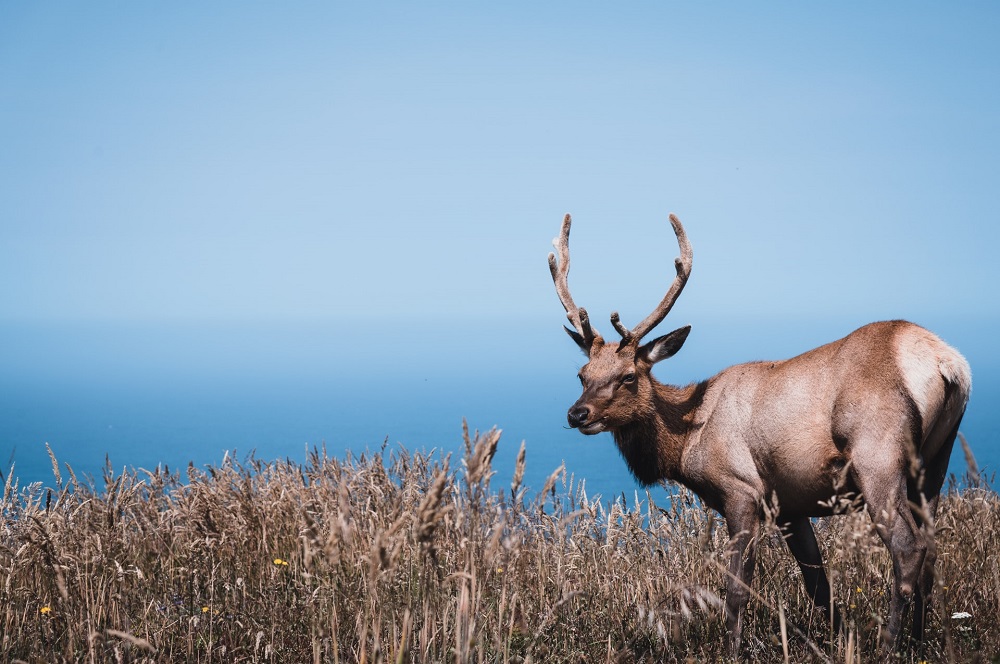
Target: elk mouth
pixel 591 428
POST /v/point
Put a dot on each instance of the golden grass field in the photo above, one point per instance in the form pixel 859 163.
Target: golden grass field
pixel 399 557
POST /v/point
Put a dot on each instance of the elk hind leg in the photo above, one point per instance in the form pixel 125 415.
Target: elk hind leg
pixel 925 495
pixel 883 482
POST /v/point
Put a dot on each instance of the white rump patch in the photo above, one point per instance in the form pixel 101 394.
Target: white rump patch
pixel 925 363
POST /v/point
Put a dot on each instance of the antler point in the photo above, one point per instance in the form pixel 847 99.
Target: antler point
pixel 622 330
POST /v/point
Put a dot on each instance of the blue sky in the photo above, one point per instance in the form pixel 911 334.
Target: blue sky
pixel 256 161
pixel 329 221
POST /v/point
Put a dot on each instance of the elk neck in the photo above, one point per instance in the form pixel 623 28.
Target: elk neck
pixel 652 444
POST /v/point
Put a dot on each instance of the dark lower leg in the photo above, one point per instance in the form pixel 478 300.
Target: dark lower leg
pixel 925 584
pixel 802 543
pixel 742 521
pixel 909 552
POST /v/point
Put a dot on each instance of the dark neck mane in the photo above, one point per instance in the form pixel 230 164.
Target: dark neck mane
pixel 652 445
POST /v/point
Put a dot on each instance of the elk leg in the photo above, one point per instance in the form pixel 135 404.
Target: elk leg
pixel 925 585
pixel 743 522
pixel 908 551
pixel 934 475
pixel 801 540
pixel 885 491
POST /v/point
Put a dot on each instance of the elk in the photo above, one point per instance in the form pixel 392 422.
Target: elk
pixel 871 416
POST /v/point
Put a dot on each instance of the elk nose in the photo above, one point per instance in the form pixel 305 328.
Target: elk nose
pixel 578 416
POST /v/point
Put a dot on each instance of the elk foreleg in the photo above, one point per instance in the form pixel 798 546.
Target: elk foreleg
pixel 801 540
pixel 743 523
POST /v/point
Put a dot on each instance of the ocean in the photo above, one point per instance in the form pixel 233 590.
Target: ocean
pixel 151 394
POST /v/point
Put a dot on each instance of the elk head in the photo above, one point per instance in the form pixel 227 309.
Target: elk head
pixel 617 383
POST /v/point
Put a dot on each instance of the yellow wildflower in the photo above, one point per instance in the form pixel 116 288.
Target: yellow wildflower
pixel 279 562
pixel 859 589
pixel 45 610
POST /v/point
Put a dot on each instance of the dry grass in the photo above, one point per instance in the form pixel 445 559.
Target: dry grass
pixel 397 557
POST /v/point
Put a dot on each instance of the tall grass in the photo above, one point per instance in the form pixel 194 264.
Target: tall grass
pixel 399 557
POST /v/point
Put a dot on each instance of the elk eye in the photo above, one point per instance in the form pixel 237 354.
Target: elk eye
pixel 628 379
pixel 580 376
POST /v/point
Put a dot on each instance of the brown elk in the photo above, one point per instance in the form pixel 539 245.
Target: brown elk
pixel 873 415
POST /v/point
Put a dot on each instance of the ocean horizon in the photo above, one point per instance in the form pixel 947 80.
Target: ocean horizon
pixel 157 394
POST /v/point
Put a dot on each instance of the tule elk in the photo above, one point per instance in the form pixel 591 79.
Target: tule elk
pixel 873 415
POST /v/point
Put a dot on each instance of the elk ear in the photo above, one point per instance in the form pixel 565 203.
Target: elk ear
pixel 663 347
pixel 580 341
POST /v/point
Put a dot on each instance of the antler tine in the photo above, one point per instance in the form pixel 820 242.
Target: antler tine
pixel 622 330
pixel 560 273
pixel 683 265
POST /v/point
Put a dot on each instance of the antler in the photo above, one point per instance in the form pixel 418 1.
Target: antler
pixel 560 271
pixel 683 265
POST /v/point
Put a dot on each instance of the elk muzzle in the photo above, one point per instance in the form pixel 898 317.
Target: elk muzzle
pixel 580 417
